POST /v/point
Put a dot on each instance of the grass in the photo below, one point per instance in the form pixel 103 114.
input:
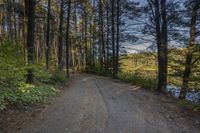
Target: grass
pixel 145 82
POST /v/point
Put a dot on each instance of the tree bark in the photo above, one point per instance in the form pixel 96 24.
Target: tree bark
pixel 67 37
pixel 30 12
pixel 102 43
pixel 85 41
pixel 117 39
pixel 48 35
pixel 113 39
pixel 161 38
pixel 60 46
pixel 163 61
pixel 107 36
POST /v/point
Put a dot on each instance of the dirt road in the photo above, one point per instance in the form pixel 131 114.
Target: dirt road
pixel 95 104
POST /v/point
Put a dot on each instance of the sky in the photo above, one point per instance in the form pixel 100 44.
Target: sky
pixel 133 27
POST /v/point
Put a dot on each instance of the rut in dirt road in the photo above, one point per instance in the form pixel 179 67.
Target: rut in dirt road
pixel 95 104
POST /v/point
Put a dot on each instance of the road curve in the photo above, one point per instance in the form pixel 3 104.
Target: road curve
pixel 93 104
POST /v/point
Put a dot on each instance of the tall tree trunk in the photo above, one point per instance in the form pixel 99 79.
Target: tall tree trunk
pixel 4 19
pixel 161 38
pixel 14 21
pixel 30 12
pixel 86 47
pixel 48 35
pixel 107 36
pixel 60 46
pixel 82 47
pixel 1 20
pixel 67 37
pixel 93 46
pixel 90 43
pixel 102 42
pixel 24 35
pixel 117 39
pixel 9 19
pixel 163 49
pixel 189 55
pixel 113 39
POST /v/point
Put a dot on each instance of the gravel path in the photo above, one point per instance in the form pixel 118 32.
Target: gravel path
pixel 95 104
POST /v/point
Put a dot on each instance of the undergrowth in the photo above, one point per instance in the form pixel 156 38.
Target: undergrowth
pixel 46 86
pixel 195 107
pixel 14 90
pixel 146 82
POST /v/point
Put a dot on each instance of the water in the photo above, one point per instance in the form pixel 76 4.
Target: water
pixel 192 95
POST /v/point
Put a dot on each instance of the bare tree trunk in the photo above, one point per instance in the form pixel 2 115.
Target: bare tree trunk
pixel 82 47
pixel 67 38
pixel 90 43
pixel 86 47
pixel 14 21
pixel 9 19
pixel 1 21
pixel 60 46
pixel 30 11
pixel 117 39
pixel 107 37
pixel 163 50
pixel 102 42
pixel 161 37
pixel 113 38
pixel 48 35
pixel 24 33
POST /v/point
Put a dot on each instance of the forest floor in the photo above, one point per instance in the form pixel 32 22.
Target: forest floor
pixel 94 104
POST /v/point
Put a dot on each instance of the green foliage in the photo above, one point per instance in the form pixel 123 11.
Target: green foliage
pixel 5 95
pixel 145 82
pixel 13 70
pixel 26 94
pixel 145 65
pixel 11 64
pixel 31 94
pixel 42 75
pixel 94 69
pixel 58 77
pixel 97 70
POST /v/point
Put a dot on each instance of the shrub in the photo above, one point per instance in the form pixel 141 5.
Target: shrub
pixel 31 94
pixel 42 75
pixel 11 64
pixel 58 77
pixel 26 94
pixel 145 82
pixel 13 72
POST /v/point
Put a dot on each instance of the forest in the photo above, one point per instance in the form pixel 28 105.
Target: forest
pixel 153 44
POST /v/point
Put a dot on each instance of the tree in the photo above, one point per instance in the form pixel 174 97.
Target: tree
pixel 30 12
pixel 60 46
pixel 191 47
pixel 101 38
pixel 67 37
pixel 113 38
pixel 48 35
pixel 158 8
pixel 117 37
